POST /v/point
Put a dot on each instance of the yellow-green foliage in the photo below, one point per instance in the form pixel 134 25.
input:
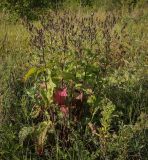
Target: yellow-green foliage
pixel 110 71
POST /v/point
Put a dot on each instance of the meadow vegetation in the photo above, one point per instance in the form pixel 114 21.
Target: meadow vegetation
pixel 73 80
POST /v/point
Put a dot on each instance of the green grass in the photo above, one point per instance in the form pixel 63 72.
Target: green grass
pixel 116 90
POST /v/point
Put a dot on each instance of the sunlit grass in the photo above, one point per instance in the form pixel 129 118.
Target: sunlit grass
pixel 125 87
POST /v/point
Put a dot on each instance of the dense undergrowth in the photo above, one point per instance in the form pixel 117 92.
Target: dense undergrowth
pixel 74 86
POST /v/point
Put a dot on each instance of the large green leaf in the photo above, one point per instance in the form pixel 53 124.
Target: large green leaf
pixel 42 132
pixel 30 73
pixel 24 132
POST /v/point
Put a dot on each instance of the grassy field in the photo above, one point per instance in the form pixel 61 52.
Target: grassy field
pixel 73 86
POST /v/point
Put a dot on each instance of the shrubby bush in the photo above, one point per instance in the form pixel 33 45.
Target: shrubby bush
pixel 32 8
